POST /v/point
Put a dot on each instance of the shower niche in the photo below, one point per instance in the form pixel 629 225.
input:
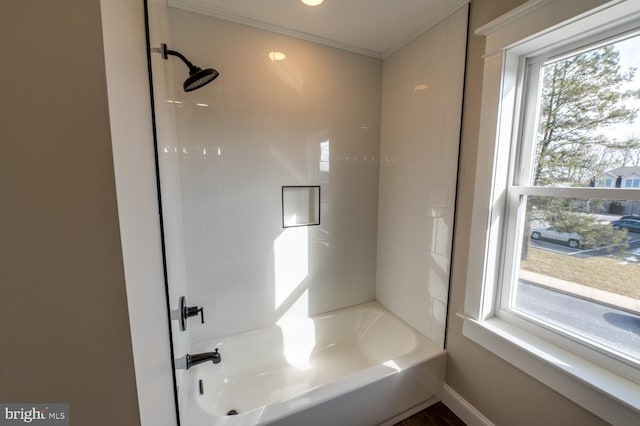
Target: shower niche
pixel 300 206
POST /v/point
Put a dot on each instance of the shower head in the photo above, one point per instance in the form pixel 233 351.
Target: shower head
pixel 198 77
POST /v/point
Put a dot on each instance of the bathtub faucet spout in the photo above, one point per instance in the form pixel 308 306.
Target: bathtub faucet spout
pixel 196 359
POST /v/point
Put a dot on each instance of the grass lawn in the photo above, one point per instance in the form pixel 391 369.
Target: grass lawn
pixel 601 272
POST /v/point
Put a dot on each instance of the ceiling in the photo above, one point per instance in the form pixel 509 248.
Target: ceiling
pixel 371 27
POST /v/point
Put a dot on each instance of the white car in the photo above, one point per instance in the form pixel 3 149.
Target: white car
pixel 572 239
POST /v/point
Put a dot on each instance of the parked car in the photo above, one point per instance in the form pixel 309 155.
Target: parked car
pixel 632 225
pixel 631 216
pixel 572 239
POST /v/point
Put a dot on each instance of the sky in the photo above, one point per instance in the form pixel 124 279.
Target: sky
pixel 629 57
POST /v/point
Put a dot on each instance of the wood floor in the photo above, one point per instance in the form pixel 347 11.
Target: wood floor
pixel 436 415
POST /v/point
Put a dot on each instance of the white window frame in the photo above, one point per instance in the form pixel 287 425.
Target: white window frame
pixel 583 375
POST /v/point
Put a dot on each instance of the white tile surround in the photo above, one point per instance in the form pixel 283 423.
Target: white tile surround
pixel 311 119
pixel 421 113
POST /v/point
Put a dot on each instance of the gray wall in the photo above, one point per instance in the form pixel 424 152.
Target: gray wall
pixel 65 331
pixel 501 392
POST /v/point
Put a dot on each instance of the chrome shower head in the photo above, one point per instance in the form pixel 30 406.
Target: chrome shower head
pixel 198 77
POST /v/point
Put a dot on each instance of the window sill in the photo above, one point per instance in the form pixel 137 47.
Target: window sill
pixel 606 394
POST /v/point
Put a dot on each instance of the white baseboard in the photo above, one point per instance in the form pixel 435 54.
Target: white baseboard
pixel 461 408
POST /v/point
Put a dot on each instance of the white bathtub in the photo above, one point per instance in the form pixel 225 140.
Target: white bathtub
pixel 355 366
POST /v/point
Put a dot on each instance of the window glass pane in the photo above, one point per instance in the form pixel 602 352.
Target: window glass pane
pixel 587 126
pixel 579 269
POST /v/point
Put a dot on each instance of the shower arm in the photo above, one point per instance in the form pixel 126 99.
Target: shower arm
pixel 166 52
pixel 198 77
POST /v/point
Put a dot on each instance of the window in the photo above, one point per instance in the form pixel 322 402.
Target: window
pixel 556 279
pixel 579 108
pixel 632 183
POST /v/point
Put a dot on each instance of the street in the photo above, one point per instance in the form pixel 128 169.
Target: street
pixel 612 327
pixel 563 248
pixel 554 246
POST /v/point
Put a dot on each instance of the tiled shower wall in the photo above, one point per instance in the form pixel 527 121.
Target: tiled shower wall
pixel 421 113
pixel 312 118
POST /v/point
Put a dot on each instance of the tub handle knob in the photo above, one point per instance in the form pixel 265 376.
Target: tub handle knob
pixel 187 312
pixel 192 311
